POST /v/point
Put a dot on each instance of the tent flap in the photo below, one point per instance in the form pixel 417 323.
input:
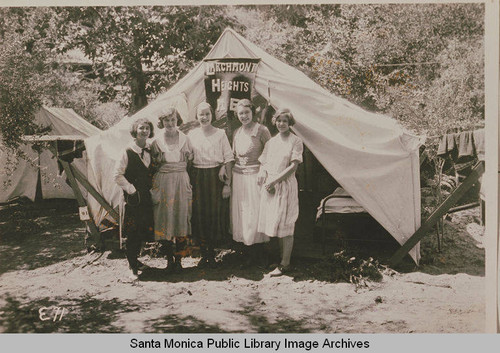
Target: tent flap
pixel 22 180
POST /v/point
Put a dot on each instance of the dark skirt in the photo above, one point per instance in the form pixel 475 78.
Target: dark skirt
pixel 137 224
pixel 209 219
pixel 138 218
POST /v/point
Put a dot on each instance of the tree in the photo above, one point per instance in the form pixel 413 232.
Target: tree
pixel 420 63
pixel 25 75
pixel 32 74
pixel 139 51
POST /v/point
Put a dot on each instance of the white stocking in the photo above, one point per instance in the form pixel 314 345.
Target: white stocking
pixel 286 253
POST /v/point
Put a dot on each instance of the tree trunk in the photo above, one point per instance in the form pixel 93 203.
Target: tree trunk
pixel 137 88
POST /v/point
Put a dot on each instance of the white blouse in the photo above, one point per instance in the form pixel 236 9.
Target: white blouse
pixel 279 153
pixel 210 151
pixel 181 152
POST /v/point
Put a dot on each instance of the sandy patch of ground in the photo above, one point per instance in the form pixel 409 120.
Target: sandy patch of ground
pixel 52 270
pixel 221 302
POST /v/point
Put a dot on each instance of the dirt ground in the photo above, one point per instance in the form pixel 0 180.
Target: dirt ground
pixel 44 266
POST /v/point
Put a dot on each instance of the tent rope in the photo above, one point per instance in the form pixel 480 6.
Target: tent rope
pixel 268 93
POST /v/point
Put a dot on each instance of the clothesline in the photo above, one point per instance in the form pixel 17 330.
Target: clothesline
pixel 465 143
pixel 406 64
pixel 440 136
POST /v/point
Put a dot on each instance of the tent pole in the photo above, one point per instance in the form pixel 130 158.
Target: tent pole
pixel 92 191
pixel 473 177
pixel 440 225
pixel 81 201
pixel 85 183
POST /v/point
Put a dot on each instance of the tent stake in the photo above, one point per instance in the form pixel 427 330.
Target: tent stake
pixel 438 212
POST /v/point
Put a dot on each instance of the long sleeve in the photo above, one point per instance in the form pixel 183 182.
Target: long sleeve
pixel 119 175
pixel 188 148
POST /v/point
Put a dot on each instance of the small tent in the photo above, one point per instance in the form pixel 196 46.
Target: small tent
pixel 23 179
pixel 370 155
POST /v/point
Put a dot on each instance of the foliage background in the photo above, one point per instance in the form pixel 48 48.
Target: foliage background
pixel 423 64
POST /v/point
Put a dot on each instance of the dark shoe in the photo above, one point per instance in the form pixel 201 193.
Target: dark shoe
pixel 212 263
pixel 170 267
pixel 273 266
pixel 178 266
pixel 279 271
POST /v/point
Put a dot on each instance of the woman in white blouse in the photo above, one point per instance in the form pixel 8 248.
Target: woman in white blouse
pixel 211 180
pixel 279 203
pixel 171 192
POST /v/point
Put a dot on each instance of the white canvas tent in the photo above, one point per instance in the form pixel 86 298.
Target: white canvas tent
pixel 23 181
pixel 370 155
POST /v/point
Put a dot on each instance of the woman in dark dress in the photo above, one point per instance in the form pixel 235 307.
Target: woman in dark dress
pixel 211 179
pixel 134 176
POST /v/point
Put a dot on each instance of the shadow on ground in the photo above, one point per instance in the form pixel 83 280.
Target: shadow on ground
pixel 84 315
pixel 176 324
pixel 57 238
pixel 285 324
pixel 258 323
pixel 32 236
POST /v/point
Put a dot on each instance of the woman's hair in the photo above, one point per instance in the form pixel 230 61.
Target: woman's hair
pixel 205 105
pixel 169 112
pixel 285 112
pixel 246 103
pixel 135 125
